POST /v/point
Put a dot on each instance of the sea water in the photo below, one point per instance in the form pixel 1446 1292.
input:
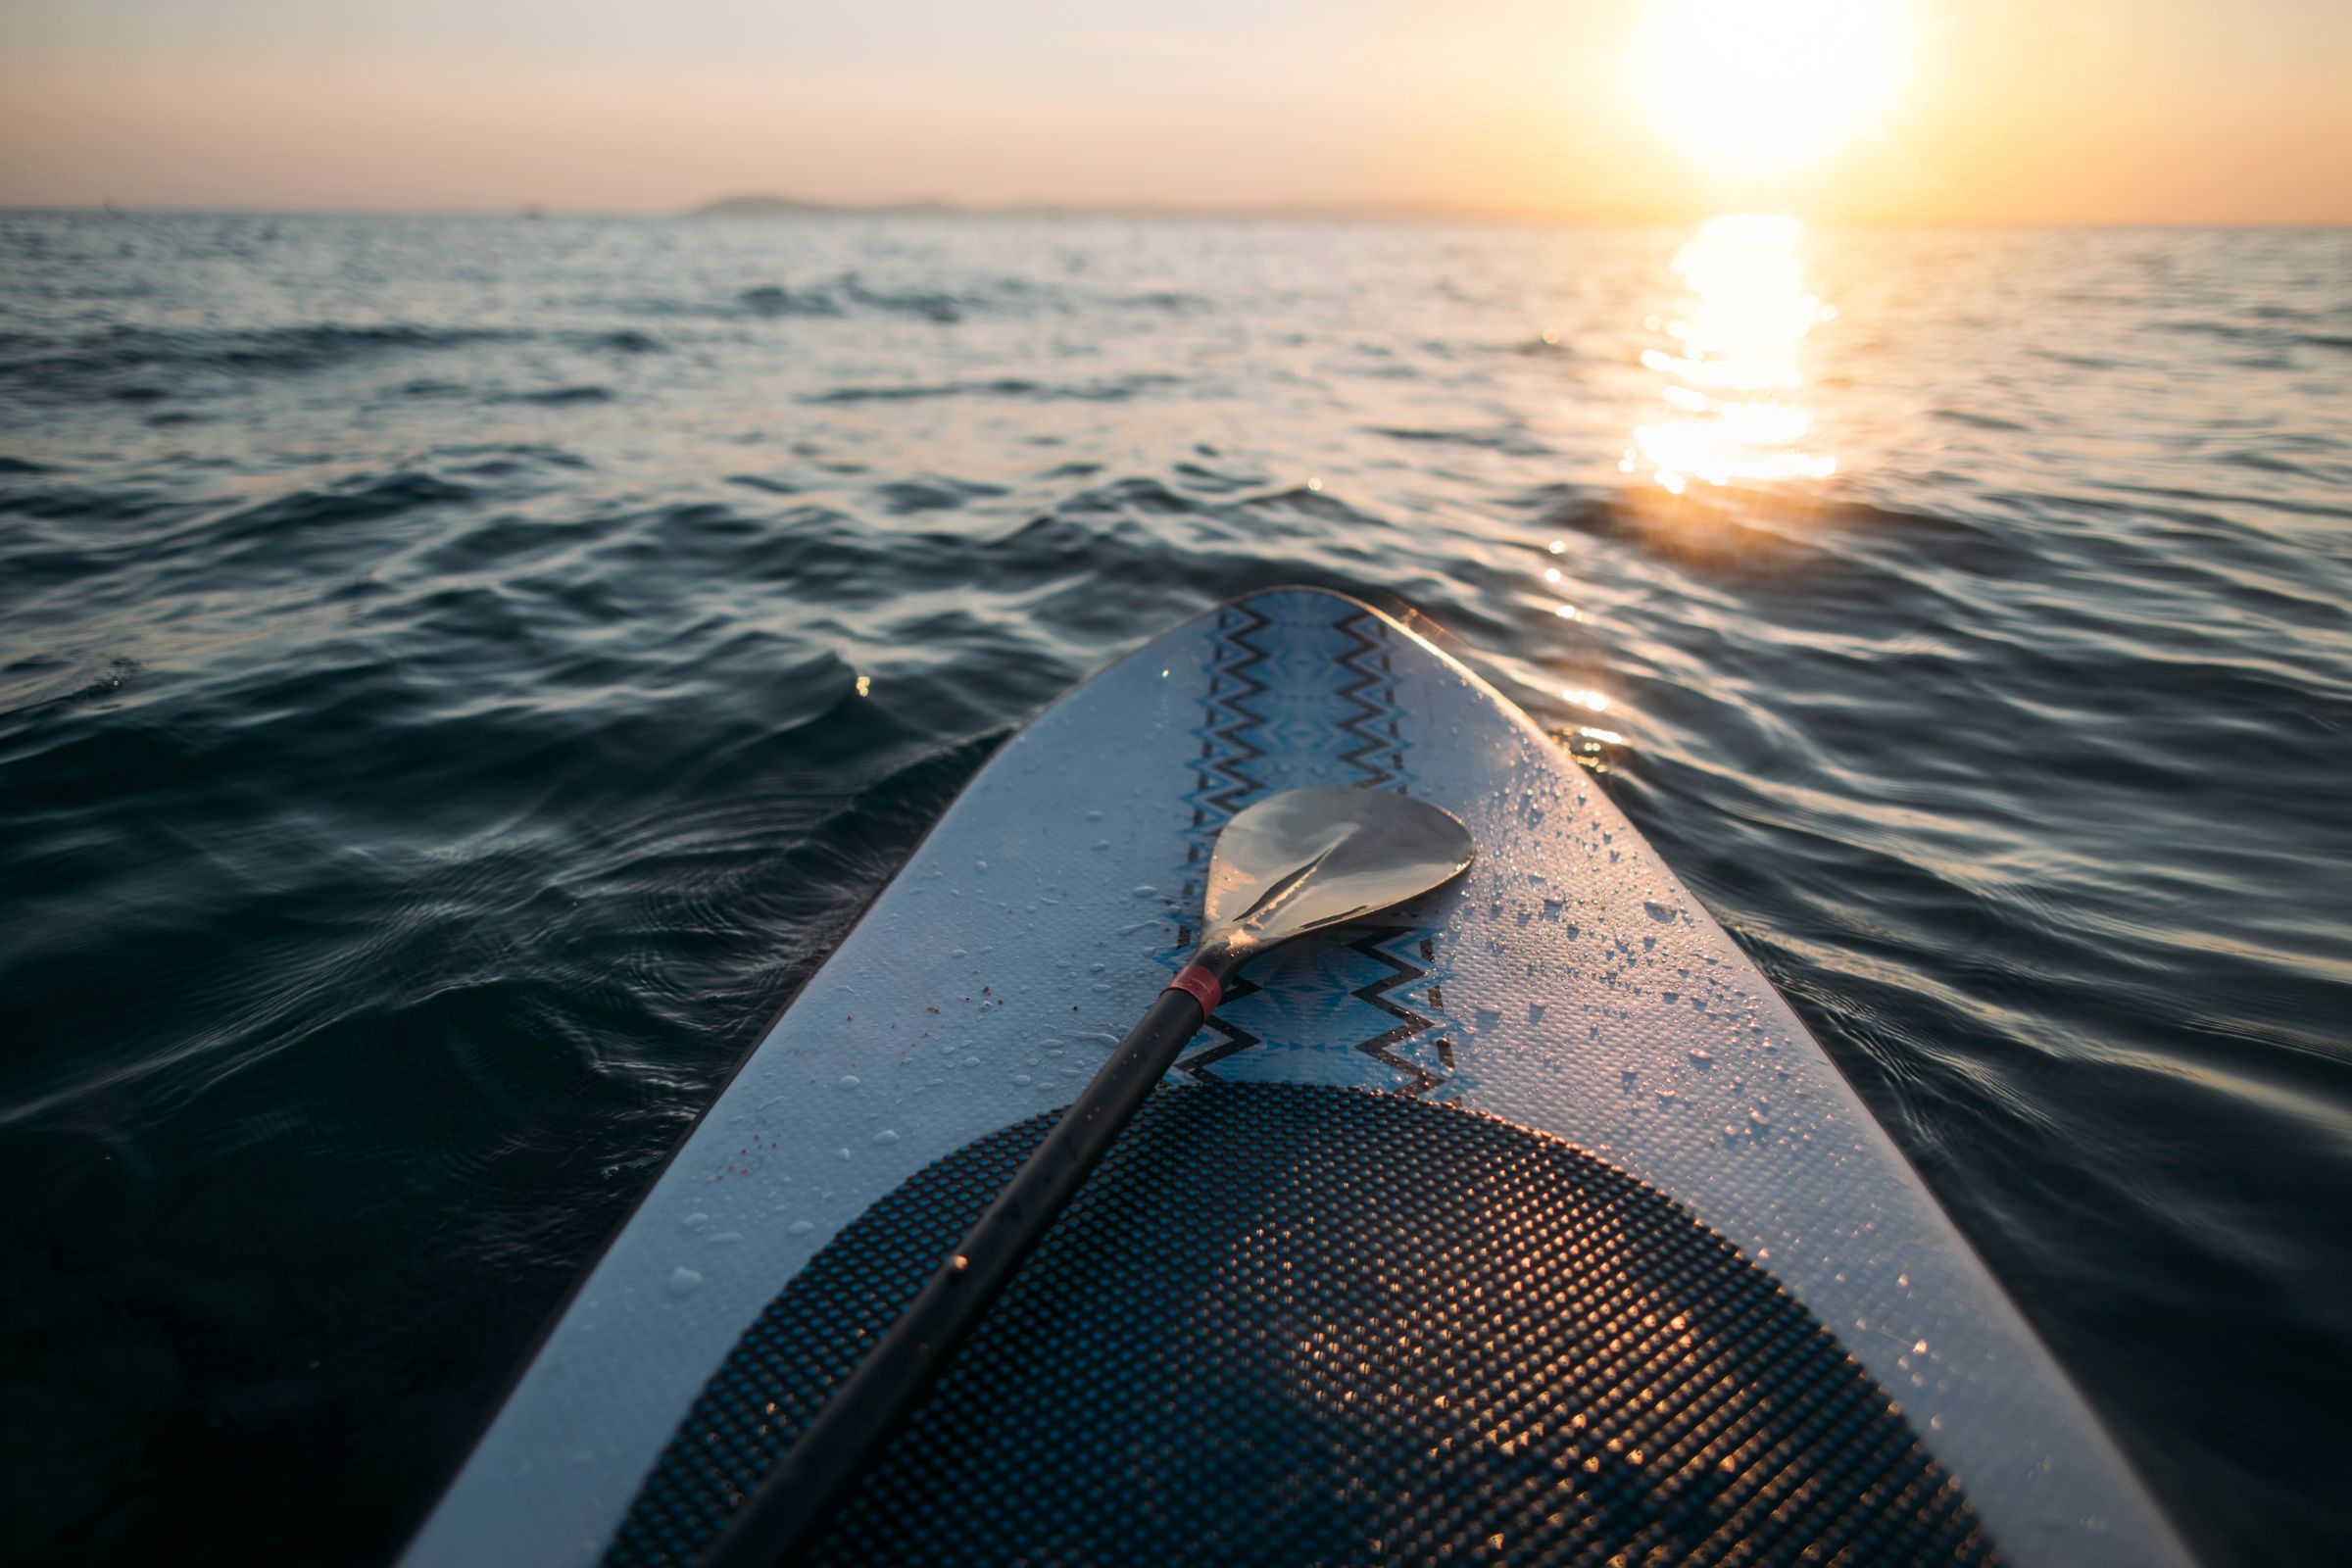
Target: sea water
pixel 457 674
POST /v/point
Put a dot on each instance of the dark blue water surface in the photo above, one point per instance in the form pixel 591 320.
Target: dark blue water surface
pixel 457 674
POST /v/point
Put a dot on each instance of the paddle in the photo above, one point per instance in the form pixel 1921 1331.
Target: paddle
pixel 1293 863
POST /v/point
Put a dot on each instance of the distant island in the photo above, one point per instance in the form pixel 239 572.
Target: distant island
pixel 787 206
pixel 771 206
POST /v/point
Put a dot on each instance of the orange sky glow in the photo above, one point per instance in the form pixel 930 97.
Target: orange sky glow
pixel 2096 110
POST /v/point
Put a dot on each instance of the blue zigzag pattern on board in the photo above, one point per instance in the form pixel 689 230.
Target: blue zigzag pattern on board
pixel 1374 944
pixel 1222 785
pixel 1379 753
pixel 1233 684
pixel 1371 689
pixel 1227 776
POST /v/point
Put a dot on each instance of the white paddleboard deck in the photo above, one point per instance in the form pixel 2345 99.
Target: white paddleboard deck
pixel 1569 984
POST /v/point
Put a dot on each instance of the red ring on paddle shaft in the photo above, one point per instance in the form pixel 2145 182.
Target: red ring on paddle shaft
pixel 1201 986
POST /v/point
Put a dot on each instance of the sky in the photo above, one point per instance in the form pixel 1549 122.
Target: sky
pixel 2003 111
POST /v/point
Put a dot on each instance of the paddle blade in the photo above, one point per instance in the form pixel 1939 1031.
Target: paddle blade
pixel 1304 860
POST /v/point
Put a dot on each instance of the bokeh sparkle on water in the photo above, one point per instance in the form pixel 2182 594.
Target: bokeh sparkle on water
pixel 457 674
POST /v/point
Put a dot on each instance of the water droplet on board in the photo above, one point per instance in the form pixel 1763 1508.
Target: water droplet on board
pixel 842 1153
pixel 848 1080
pixel 1021 1078
pixel 683 1280
pixel 1660 912
pixel 958 953
pixel 886 1136
pixel 1145 890
pixel 696 1221
pixel 1701 1054
pixel 800 1227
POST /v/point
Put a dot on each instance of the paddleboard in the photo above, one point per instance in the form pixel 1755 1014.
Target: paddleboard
pixel 1525 1223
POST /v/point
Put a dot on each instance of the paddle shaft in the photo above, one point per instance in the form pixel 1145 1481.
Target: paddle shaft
pixel 795 1499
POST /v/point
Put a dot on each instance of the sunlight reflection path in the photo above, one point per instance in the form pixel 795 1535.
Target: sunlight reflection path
pixel 1731 383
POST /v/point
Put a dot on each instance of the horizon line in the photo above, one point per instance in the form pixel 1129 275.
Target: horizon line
pixel 771 207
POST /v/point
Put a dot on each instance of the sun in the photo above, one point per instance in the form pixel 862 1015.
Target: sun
pixel 1762 86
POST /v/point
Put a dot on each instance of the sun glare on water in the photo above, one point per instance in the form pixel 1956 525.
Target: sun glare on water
pixel 1732 380
pixel 1759 86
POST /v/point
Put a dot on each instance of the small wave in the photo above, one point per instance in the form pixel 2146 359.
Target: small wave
pixel 908 394
pixel 769 299
pixel 2231 331
pixel 1173 301
pixel 930 305
pixel 283 536
pixel 309 528
pixel 2268 333
pixel 1202 477
pixel 1517 443
pixel 1979 421
pixel 2271 463
pixel 500 543
pixel 846 294
pixel 1729 534
pixel 2076 361
pixel 123 364
pixel 506 460
pixel 1020 387
pixel 26 686
pixel 559 397
pixel 624 342
pixel 317 348
pixel 765 484
pixel 932 495
pixel 849 293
